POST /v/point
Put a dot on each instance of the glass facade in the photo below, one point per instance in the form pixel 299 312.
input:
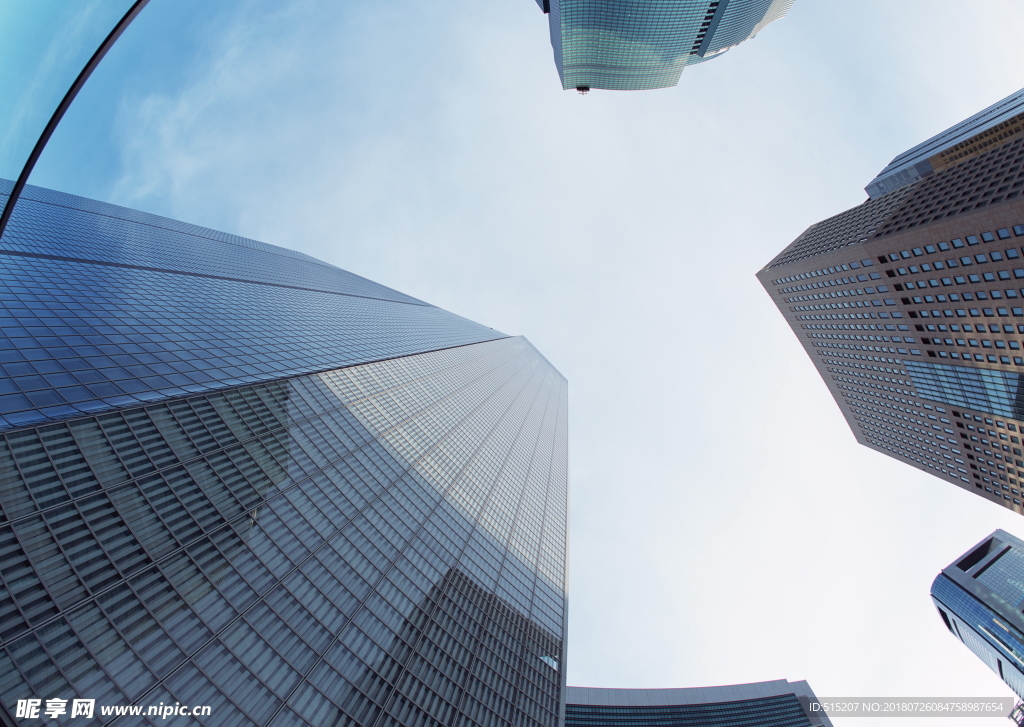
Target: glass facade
pixel 763 704
pixel 105 308
pixel 376 541
pixel 783 711
pixel 645 44
pixel 988 390
pixel 978 598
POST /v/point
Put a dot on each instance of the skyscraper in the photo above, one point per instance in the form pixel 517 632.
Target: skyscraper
pixel 237 478
pixel 629 45
pixel 979 598
pixel 911 306
pixel 986 129
pixel 778 703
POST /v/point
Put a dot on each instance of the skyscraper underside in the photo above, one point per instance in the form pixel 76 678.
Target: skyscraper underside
pixel 236 477
pixel 911 307
pixel 645 44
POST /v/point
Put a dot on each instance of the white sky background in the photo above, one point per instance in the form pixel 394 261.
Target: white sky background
pixel 725 526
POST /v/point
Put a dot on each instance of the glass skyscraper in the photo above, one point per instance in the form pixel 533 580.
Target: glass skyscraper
pixel 763 704
pixel 911 306
pixel 979 600
pixel 630 45
pixel 250 487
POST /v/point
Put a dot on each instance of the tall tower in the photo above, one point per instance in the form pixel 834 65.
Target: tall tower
pixel 911 306
pixel 629 45
pixel 237 478
pixel 778 703
pixel 979 599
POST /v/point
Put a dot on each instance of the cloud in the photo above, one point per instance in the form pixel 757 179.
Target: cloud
pixel 726 527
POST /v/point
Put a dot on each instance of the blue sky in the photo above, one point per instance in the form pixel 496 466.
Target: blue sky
pixel 725 526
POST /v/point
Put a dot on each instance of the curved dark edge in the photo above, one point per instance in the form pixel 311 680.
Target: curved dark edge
pixel 63 106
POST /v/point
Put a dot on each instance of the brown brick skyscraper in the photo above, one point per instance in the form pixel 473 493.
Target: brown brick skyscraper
pixel 911 306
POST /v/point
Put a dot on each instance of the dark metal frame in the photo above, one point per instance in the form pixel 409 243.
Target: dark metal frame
pixel 719 13
pixel 62 108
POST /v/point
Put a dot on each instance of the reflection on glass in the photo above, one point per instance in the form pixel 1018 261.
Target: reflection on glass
pixel 280 549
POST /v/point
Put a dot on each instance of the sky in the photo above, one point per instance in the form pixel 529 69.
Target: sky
pixel 725 526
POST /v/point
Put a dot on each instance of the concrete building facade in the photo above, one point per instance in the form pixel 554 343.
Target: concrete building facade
pixel 911 307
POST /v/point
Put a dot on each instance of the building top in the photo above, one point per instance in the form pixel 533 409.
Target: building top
pixel 979 597
pixel 99 232
pixel 107 308
pixel 1000 121
pixel 852 227
pixel 788 703
pixel 596 696
pixel 740 20
pixel 992 177
pixel 627 46
pixel 990 571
